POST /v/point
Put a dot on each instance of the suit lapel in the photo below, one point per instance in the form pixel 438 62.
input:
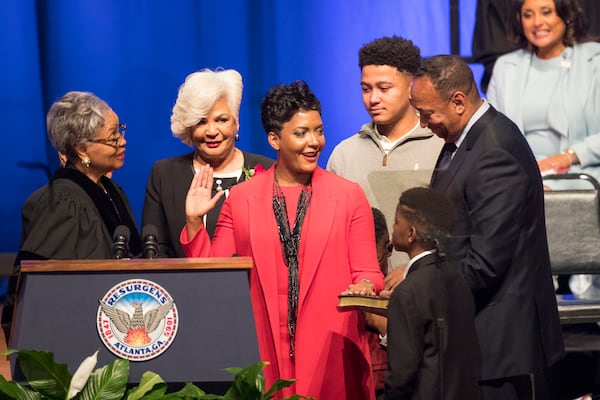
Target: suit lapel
pixel 514 84
pixel 438 174
pixel 266 247
pixel 181 180
pixel 442 179
pixel 316 229
pixel 420 263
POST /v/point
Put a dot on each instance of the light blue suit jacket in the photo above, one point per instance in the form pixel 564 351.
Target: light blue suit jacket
pixel 575 105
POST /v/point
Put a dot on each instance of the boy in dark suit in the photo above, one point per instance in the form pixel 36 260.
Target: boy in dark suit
pixel 432 343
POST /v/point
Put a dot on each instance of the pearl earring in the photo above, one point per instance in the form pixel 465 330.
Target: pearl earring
pixel 86 161
pixel 237 137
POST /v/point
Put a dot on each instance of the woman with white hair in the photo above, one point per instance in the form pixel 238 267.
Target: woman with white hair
pixel 206 117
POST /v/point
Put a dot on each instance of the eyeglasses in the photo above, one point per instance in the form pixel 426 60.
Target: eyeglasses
pixel 113 141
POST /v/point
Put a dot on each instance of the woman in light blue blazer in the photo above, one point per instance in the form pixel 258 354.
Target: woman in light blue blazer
pixel 550 87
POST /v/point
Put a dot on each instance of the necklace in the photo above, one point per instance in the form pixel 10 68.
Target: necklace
pixel 112 202
pixel 290 245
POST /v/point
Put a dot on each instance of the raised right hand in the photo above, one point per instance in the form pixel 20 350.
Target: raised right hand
pixel 198 200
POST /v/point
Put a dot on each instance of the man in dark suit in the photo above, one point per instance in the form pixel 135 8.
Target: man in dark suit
pixel 431 339
pixel 499 240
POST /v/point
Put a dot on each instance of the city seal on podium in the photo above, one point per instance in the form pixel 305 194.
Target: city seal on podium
pixel 137 320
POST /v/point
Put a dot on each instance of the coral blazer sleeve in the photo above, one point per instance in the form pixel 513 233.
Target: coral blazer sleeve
pixel 335 201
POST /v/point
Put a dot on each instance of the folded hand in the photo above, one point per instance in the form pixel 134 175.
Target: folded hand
pixel 556 164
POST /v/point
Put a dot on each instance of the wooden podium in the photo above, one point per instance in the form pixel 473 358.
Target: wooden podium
pixel 58 306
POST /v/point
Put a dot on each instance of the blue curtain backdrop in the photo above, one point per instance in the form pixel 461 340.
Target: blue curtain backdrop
pixel 135 53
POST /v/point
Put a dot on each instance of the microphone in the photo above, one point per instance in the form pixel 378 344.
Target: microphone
pixel 150 239
pixel 120 245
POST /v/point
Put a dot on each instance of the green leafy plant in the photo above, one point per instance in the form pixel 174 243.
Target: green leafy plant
pixel 49 380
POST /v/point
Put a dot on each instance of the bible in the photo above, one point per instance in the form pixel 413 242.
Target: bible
pixel 373 304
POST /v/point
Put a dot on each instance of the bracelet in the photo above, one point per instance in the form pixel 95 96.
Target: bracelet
pixel 572 156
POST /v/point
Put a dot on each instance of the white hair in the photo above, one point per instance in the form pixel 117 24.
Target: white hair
pixel 198 94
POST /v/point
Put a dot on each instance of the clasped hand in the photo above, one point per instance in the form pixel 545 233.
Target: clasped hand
pixel 557 163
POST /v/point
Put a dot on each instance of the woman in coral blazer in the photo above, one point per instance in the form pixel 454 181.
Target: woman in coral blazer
pixel 327 225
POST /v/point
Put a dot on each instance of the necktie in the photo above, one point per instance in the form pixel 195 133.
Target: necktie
pixel 446 155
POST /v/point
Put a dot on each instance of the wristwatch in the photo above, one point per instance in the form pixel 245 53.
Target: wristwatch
pixel 572 156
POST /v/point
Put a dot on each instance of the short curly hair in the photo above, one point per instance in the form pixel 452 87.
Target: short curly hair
pixel 282 102
pixel 73 119
pixel 393 51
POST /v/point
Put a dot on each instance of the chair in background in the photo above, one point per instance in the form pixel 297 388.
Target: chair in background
pixel 573 228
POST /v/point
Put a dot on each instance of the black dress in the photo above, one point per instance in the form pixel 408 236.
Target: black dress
pixel 164 204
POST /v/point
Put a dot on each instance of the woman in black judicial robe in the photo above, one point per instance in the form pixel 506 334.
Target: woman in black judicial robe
pixel 75 215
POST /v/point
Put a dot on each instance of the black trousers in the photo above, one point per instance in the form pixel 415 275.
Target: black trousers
pixel 510 388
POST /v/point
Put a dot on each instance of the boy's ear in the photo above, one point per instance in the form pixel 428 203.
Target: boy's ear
pixel 412 234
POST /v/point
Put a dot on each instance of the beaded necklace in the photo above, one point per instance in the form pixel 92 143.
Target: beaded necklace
pixel 290 244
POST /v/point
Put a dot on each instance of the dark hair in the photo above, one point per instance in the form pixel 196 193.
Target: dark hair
pixel 448 73
pixel 393 51
pixel 282 102
pixel 568 10
pixel 381 228
pixel 431 211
